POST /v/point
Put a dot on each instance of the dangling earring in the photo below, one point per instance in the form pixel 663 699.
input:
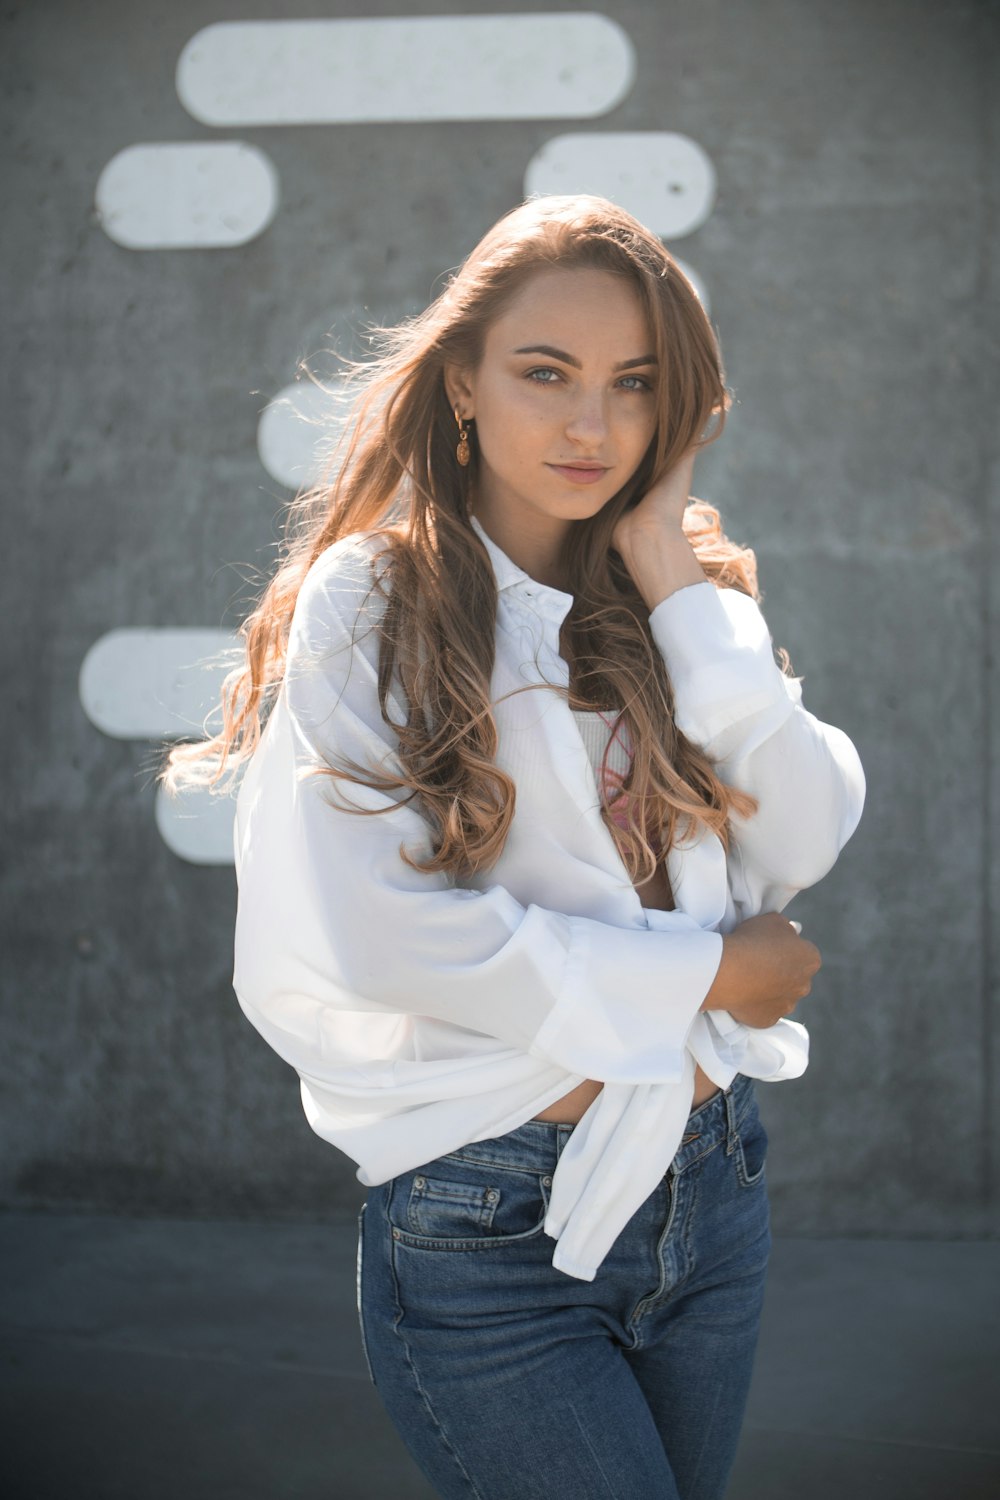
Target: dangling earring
pixel 462 451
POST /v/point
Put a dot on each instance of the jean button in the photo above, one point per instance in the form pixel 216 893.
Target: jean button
pixel 546 1181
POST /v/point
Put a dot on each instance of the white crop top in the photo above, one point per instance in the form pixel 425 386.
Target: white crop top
pixel 597 730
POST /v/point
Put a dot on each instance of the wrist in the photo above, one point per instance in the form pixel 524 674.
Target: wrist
pixel 660 562
pixel 724 993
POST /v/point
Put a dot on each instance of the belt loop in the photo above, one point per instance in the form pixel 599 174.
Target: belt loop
pixel 732 1136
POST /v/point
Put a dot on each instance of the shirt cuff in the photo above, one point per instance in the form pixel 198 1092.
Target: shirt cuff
pixel 627 1006
pixel 717 649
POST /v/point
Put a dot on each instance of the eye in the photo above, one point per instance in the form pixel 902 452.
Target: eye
pixel 544 370
pixel 643 385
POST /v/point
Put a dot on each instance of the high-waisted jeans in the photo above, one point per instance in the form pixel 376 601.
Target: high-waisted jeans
pixel 508 1379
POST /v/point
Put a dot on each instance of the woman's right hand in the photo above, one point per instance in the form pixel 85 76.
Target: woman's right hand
pixel 766 969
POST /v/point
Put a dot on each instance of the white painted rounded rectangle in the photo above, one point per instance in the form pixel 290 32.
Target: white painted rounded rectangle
pixel 491 67
pixel 299 428
pixel 175 195
pixel 198 825
pixel 666 181
pixel 152 684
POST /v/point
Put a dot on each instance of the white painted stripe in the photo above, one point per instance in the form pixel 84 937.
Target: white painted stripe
pixel 147 684
pixel 665 180
pixel 298 430
pixel 186 195
pixel 198 825
pixel 324 72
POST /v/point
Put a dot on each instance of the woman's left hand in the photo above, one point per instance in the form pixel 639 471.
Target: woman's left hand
pixel 661 509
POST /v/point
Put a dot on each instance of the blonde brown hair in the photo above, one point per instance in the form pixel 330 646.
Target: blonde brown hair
pixel 395 473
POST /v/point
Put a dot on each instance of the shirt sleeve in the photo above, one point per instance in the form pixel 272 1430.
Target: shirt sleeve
pixel 732 699
pixel 331 921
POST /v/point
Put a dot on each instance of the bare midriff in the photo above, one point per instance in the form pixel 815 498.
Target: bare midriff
pixel 571 1108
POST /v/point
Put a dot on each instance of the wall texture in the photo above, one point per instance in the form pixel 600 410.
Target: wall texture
pixel 849 257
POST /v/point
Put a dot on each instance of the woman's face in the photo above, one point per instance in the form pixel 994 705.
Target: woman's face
pixel 568 377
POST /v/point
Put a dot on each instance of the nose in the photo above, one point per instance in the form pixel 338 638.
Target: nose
pixel 587 422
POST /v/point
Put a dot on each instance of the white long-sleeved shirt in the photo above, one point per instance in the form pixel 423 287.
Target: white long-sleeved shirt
pixel 422 1013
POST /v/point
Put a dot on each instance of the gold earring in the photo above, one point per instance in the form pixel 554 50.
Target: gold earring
pixel 462 451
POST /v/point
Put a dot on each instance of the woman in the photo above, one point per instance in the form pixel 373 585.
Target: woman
pixel 512 847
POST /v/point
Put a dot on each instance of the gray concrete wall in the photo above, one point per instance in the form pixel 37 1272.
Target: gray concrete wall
pixel 849 260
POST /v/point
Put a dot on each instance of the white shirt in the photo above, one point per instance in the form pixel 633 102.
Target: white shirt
pixel 422 1013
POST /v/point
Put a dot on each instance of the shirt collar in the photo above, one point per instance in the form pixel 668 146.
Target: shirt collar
pixel 510 576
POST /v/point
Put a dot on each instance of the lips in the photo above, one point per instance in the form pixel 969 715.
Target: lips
pixel 580 473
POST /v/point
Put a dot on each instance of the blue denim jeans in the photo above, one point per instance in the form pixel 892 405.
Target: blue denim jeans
pixel 508 1379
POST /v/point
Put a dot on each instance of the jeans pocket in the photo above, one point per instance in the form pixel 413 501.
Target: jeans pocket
pixel 751 1149
pixel 451 1204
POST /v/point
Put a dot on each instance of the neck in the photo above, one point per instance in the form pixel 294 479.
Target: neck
pixel 533 543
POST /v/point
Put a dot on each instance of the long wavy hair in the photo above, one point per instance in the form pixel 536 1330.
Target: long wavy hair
pixel 395 473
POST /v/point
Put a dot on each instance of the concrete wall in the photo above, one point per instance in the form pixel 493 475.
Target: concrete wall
pixel 847 255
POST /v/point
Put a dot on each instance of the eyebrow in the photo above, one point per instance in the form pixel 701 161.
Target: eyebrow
pixel 568 359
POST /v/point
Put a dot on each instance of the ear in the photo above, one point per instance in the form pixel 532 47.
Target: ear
pixel 460 387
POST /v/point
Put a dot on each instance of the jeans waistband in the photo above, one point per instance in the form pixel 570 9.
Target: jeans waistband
pixel 537 1144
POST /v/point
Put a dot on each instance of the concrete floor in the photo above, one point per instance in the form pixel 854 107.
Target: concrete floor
pixel 151 1359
